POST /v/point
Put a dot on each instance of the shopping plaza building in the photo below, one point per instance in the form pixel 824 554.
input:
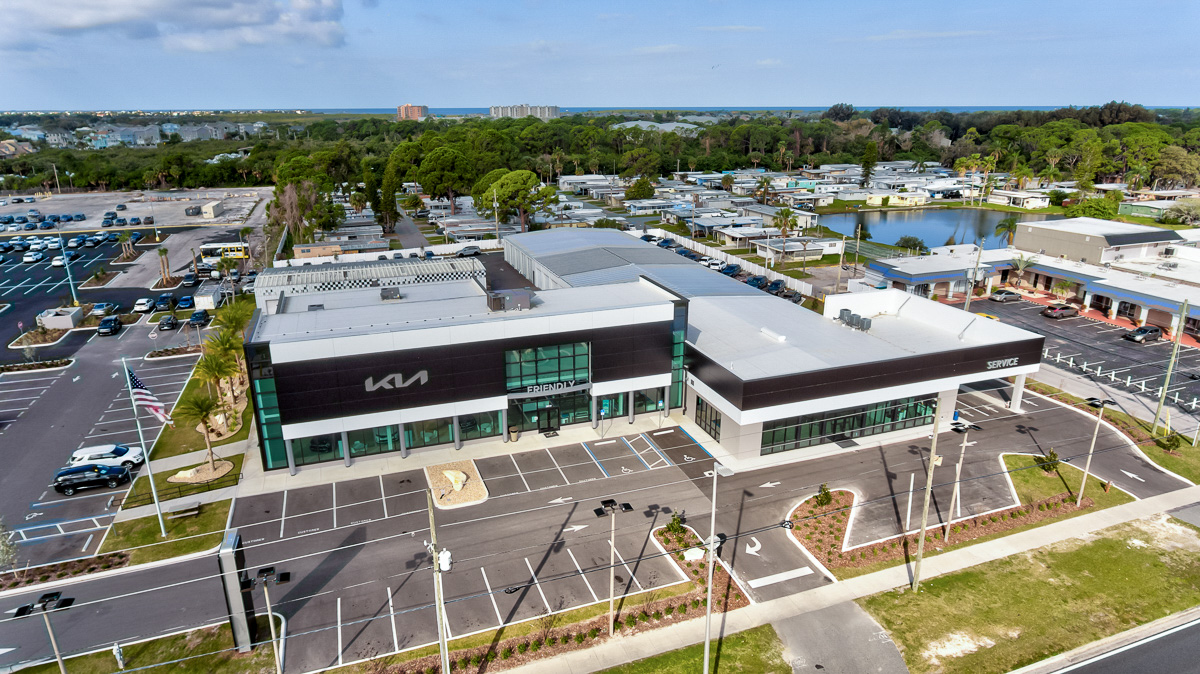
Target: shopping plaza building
pixel 358 359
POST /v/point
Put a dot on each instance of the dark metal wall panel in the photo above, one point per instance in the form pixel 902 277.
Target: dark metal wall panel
pixel 329 388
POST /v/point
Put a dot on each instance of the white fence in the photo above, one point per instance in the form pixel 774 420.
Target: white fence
pixel 441 250
pixel 691 244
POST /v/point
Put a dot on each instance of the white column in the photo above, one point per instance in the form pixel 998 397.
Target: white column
pixel 1143 313
pixel 291 456
pixel 1018 392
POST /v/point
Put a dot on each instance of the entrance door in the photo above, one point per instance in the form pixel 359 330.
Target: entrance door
pixel 1101 303
pixel 1127 309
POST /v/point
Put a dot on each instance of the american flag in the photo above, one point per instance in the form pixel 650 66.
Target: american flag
pixel 143 397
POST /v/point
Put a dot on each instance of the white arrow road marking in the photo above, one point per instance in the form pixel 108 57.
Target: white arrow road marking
pixel 753 546
pixel 768 485
pixel 1133 476
pixel 6 650
pixel 780 577
pixel 561 500
pixel 575 527
pixel 114 376
pixel 74 379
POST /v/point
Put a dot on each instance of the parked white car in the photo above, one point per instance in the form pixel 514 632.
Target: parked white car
pixel 108 455
pixel 144 305
pixel 54 244
pixel 714 263
pixel 32 256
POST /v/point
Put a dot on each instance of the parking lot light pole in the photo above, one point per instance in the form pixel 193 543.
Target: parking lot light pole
pixel 54 601
pixel 723 471
pixel 265 577
pixel 1087 466
pixel 439 606
pixel 62 246
pixel 934 461
pixel 609 508
pixel 974 276
pixel 162 526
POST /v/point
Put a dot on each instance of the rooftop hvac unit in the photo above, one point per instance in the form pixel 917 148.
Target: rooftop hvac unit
pixel 1168 251
pixel 495 302
pixel 866 324
pixel 844 316
pixel 855 321
pixel 389 294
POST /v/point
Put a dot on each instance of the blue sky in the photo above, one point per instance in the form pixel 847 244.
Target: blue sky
pixel 151 54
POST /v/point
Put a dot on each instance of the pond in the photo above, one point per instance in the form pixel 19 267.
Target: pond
pixel 934 226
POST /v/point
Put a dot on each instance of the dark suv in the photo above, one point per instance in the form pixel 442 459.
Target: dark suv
pixel 70 480
pixel 165 302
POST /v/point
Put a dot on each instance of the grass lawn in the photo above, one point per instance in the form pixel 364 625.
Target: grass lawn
pixel 1009 613
pixel 1174 453
pixel 145 531
pixel 181 439
pixel 1034 484
pixel 196 642
pixel 141 486
pixel 754 650
pixel 181 315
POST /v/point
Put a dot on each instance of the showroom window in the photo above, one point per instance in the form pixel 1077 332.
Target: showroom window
pixel 317 449
pixel 783 435
pixel 426 433
pixel 480 425
pixel 546 365
pixel 708 418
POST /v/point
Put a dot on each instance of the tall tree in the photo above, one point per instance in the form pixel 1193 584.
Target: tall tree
pixel 446 173
pixel 1007 227
pixel 198 409
pixel 640 189
pixel 519 194
pixel 870 157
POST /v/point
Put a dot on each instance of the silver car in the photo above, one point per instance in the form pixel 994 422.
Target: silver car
pixel 1004 295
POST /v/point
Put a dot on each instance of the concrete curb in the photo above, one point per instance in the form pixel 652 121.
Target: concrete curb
pixel 178 355
pixel 40 369
pixel 1104 646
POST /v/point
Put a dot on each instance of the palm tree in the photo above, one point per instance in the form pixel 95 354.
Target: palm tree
pixel 727 182
pixel 1061 287
pixel 198 410
pixel 126 244
pixel 1023 175
pixel 1020 264
pixel 785 219
pixel 1050 174
pixel 228 343
pixel 163 267
pixel 764 188
pixel 226 265
pixel 789 159
pixel 236 316
pixel 216 367
pixel 244 234
pixel 1007 227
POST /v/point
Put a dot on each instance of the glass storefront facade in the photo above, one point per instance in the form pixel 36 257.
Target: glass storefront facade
pixel 678 335
pixel 530 414
pixel 708 419
pixel 266 407
pixel 782 435
pixel 546 365
pixel 648 400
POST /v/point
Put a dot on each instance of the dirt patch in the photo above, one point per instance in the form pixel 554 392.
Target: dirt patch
pixel 954 645
pixel 1166 534
pixel 170 284
pixel 473 489
pixel 202 473
pixel 822 529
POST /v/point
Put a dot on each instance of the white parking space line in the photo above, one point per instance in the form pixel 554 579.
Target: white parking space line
pixel 334 505
pixel 780 577
pixel 560 470
pixel 383 500
pixel 581 575
pixel 518 469
pixel 538 585
pixel 17 390
pixel 492 596
pixel 283 514
pixel 622 559
pixel 392 615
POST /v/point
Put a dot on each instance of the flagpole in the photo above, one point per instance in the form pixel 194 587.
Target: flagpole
pixel 145 450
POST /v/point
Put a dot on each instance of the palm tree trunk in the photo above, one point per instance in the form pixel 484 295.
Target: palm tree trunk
pixel 212 464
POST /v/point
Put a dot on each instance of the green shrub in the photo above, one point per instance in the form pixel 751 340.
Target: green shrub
pixel 506 653
pixel 580 637
pixel 675 526
pixel 658 615
pixel 1048 463
pixel 824 496
pixel 536 645
pixel 522 647
pixel 593 632
pixel 475 660
pixel 683 609
pixel 670 610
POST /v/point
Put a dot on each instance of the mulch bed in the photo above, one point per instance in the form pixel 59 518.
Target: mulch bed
pixel 38 336
pixel 128 260
pixel 550 639
pixel 171 283
pixel 726 594
pixel 174 351
pixel 36 365
pixel 45 574
pixel 94 282
pixel 822 529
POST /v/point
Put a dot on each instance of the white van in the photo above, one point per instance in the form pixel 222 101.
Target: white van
pixel 108 455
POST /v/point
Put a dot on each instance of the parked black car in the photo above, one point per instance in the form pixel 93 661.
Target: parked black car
pixel 168 322
pixel 198 318
pixel 110 325
pixel 757 282
pixel 775 286
pixel 165 302
pixel 70 480
pixel 732 270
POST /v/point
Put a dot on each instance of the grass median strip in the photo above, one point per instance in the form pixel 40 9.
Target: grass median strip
pixel 1009 613
pixel 169 490
pixel 167 649
pixel 185 535
pixel 756 650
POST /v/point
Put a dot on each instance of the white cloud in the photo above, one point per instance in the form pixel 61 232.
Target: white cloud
pixel 659 49
pixel 902 34
pixel 192 25
pixel 731 29
pixel 768 63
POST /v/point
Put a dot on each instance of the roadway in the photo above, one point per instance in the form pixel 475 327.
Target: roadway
pixel 357 554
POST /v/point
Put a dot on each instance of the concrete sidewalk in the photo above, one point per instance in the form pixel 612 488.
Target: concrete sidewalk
pixel 175 463
pixel 622 650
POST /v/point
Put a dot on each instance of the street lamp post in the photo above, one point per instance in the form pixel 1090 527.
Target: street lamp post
pixel 609 508
pixel 53 601
pixel 723 471
pixel 62 246
pixel 265 577
pixel 1087 466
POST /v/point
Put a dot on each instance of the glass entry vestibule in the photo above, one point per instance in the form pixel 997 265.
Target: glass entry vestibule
pixel 550 412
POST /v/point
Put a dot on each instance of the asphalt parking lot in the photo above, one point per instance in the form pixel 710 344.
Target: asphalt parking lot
pixel 167 208
pixel 46 525
pixel 1097 348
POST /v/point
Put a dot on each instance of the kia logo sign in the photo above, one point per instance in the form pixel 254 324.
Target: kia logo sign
pixel 394 381
pixel 997 364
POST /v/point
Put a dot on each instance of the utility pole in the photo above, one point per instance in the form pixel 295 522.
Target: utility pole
pixel 934 461
pixel 974 276
pixel 841 265
pixel 437 584
pixel 857 231
pixel 56 183
pixel 1162 397
pixel 1100 403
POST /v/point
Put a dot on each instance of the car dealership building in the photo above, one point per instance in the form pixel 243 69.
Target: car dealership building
pixel 365 358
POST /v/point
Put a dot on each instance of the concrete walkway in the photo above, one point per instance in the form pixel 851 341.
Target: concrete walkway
pixel 627 649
